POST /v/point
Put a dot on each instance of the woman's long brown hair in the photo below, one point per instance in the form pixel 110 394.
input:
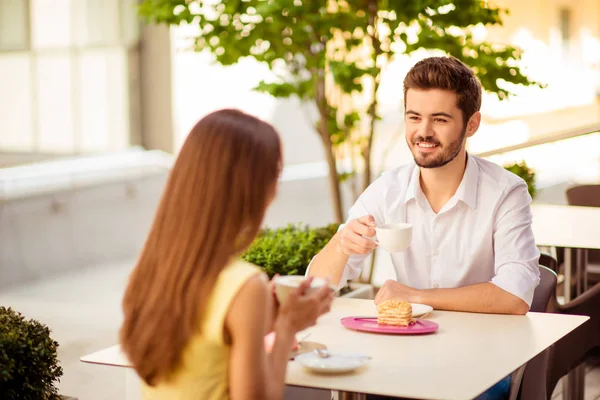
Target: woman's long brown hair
pixel 211 210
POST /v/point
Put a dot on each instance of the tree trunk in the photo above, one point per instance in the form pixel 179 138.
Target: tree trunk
pixel 366 178
pixel 334 182
pixel 323 108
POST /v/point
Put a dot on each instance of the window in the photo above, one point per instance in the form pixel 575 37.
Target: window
pixel 14 32
pixel 51 24
pixel 55 103
pixel 102 22
pixel 69 72
pixel 16 111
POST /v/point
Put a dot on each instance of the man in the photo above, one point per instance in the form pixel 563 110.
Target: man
pixel 472 247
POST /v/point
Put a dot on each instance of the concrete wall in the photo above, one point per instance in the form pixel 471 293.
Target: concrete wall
pixel 73 219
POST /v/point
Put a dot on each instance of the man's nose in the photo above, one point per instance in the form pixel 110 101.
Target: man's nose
pixel 426 129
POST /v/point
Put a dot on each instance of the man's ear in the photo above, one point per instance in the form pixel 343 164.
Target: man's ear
pixel 473 124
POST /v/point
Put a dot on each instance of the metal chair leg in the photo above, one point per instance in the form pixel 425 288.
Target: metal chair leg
pixel 574 384
pixel 351 396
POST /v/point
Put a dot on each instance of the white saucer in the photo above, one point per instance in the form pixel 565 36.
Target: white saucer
pixel 330 365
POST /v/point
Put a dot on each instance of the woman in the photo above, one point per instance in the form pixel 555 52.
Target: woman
pixel 195 316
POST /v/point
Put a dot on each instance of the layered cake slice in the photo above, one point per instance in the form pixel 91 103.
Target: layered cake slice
pixel 393 312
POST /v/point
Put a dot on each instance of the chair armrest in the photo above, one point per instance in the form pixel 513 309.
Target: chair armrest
pixel 585 304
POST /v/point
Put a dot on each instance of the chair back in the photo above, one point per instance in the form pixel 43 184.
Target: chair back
pixel 584 195
pixel 544 291
pixel 548 261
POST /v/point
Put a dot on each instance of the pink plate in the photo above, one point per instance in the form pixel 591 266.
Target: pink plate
pixel 371 325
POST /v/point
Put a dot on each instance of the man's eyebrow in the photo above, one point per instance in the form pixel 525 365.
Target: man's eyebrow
pixel 442 114
pixel 437 114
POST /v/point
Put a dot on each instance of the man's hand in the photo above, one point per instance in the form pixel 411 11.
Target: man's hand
pixel 353 236
pixel 392 290
pixel 481 297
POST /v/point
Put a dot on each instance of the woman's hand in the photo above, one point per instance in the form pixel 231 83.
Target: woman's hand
pixel 301 309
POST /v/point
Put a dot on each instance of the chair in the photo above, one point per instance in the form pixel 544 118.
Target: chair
pixel 545 290
pixel 542 296
pixel 587 196
pixel 545 370
pixel 548 261
pixel 584 195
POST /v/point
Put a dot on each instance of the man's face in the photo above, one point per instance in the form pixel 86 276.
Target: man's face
pixel 435 132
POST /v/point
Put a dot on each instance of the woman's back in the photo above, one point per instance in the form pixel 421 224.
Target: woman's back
pixel 203 371
pixel 194 321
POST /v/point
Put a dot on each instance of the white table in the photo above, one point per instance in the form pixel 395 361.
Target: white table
pixel 571 227
pixel 468 354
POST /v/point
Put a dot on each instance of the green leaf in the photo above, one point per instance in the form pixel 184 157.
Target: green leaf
pixel 302 89
pixel 527 174
pixel 351 119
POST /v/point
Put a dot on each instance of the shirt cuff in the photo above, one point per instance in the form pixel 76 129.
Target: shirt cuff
pixel 517 280
pixel 350 272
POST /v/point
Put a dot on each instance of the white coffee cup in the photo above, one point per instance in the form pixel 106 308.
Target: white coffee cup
pixel 394 238
pixel 286 283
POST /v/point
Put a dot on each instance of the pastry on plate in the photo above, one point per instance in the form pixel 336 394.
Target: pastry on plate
pixel 394 312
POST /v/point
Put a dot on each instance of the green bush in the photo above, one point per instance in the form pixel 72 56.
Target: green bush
pixel 521 169
pixel 29 365
pixel 288 251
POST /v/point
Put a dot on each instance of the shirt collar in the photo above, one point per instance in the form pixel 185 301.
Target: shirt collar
pixel 466 192
pixel 413 184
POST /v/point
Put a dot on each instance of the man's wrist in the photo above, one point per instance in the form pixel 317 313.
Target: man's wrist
pixel 338 245
pixel 418 296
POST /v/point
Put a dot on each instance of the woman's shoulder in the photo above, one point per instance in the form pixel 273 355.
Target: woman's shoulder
pixel 239 263
pixel 241 266
pixel 239 271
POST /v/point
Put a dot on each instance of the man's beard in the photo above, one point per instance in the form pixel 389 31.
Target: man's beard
pixel 446 155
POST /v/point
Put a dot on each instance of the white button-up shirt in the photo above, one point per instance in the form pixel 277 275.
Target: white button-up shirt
pixel 482 234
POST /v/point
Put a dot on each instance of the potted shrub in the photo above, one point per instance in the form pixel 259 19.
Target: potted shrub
pixel 289 250
pixel 29 366
pixel 521 169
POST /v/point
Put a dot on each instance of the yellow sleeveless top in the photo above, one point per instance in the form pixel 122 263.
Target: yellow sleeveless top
pixel 203 371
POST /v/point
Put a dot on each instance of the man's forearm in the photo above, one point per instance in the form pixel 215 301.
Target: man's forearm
pixel 482 298
pixel 330 262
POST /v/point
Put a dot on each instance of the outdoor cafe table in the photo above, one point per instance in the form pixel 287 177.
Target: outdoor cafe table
pixel 571 227
pixel 467 355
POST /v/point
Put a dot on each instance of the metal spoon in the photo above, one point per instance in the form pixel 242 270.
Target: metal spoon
pixel 324 353
pixel 303 338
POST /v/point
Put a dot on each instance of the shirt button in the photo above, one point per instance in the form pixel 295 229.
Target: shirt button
pixel 436 253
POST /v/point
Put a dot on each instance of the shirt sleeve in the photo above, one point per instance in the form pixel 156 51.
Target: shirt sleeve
pixel 516 255
pixel 370 202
